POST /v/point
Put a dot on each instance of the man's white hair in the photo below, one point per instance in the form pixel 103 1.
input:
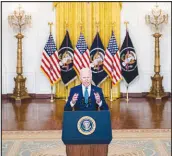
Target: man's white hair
pixel 85 70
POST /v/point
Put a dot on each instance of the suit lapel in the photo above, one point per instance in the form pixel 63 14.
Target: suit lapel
pixel 80 91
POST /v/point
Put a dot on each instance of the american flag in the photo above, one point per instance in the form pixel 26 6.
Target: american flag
pixel 50 62
pixel 81 55
pixel 111 61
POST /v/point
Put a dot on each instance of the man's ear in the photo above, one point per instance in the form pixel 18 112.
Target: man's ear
pixel 80 78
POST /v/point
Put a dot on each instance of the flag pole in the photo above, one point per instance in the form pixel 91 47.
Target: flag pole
pixel 127 99
pixel 111 98
pixel 66 93
pixel 52 99
pixel 126 23
pixel 111 95
pixel 50 24
pixel 67 25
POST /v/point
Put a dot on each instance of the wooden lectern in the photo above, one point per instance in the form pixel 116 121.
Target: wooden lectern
pixel 87 150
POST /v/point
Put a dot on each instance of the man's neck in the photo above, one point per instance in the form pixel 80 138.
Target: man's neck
pixel 86 86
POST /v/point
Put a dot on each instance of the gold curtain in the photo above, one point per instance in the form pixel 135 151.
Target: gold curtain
pixel 89 13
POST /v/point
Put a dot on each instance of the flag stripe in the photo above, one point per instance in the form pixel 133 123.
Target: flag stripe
pixel 116 67
pixel 108 66
pixel 55 57
pixel 76 65
pixel 79 59
pixel 44 69
pixel 55 68
pixel 87 57
pixel 118 60
pixel 81 54
pixel 85 60
pixel 50 62
pixel 111 61
pixel 47 70
pixel 108 62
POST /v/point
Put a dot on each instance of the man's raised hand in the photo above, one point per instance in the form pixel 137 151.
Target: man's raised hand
pixel 75 98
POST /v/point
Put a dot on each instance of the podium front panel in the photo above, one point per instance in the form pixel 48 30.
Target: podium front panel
pixel 101 135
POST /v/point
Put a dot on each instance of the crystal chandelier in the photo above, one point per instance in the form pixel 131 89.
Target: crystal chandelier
pixel 19 20
pixel 157 19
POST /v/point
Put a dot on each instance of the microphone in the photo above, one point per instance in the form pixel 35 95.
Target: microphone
pixel 83 100
pixel 89 100
pixel 86 104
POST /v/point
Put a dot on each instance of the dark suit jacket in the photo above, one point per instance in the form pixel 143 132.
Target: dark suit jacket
pixel 80 105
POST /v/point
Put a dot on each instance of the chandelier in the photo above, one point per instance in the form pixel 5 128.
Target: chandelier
pixel 19 20
pixel 157 19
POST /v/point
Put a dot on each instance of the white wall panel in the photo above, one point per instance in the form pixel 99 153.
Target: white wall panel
pixel 10 81
pixel 42 84
pixel 30 81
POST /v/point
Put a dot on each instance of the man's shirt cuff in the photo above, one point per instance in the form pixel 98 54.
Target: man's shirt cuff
pixel 71 104
pixel 100 103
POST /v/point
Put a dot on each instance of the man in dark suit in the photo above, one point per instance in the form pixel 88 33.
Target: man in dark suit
pixel 86 97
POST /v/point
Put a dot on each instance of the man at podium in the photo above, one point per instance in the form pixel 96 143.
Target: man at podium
pixel 86 97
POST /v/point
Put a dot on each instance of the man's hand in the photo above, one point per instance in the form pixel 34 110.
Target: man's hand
pixel 75 98
pixel 97 97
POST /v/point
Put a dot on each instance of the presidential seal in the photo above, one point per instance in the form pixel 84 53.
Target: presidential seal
pixel 128 59
pixel 66 60
pixel 97 57
pixel 86 125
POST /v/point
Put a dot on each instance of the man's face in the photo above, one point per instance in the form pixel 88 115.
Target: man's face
pixel 86 78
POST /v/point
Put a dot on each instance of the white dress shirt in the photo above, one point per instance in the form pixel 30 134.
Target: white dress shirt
pixel 89 92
